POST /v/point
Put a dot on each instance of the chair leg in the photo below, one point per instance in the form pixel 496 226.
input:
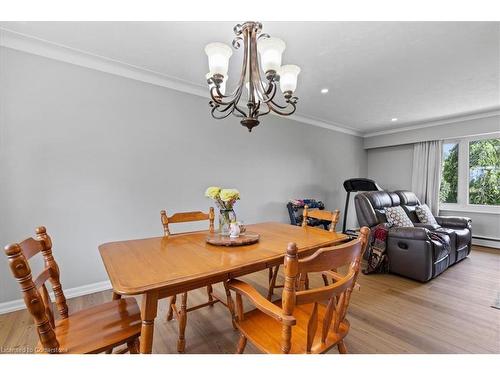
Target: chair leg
pixel 171 307
pixel 342 348
pixel 273 273
pixel 181 342
pixel 133 346
pixel 115 296
pixel 230 305
pixel 241 344
pixel 210 290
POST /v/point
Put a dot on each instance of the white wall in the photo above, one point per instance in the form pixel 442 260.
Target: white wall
pixel 94 157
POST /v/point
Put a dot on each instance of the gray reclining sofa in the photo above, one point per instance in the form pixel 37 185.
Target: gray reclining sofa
pixel 411 252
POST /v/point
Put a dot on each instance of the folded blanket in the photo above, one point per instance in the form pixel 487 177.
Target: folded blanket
pixel 378 262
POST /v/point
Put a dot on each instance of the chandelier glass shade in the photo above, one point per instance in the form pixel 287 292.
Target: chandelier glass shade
pixel 254 96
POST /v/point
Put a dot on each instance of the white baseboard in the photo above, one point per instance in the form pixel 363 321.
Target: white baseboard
pixel 19 304
pixel 494 244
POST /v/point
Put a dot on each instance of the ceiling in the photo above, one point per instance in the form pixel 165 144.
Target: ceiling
pixel 417 72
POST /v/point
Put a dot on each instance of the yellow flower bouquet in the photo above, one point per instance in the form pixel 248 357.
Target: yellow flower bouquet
pixel 225 200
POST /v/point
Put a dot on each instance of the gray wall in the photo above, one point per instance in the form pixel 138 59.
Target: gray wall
pixel 94 157
pixel 391 167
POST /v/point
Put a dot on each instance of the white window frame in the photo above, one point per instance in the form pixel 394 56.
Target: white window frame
pixel 463 204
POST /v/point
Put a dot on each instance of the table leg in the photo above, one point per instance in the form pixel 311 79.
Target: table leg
pixel 149 308
pixel 116 296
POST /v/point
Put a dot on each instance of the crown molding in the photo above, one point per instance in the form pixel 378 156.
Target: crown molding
pixel 326 124
pixel 44 48
pixel 429 124
pixel 51 50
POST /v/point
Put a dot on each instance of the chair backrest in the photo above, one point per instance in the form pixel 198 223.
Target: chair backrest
pixel 35 292
pixel 184 217
pixel 321 215
pixel 336 294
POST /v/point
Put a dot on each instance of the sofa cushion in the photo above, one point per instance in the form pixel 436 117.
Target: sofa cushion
pixel 395 199
pixel 407 198
pixel 379 199
pixel 397 217
pixel 425 215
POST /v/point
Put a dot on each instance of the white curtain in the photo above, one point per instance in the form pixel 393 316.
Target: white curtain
pixel 426 174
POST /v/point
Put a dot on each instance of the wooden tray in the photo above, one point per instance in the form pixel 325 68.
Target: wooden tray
pixel 246 238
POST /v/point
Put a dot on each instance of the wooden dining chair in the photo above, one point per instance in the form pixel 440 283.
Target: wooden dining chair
pixel 93 330
pixel 304 320
pixel 331 216
pixel 181 314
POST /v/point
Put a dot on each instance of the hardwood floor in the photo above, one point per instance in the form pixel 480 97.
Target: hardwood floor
pixel 390 314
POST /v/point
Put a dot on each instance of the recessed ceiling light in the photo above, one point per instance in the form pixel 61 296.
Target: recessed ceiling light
pixel 394 119
pixel 324 91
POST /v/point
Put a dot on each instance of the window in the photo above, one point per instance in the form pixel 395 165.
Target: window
pixel 449 178
pixel 484 172
pixel 470 177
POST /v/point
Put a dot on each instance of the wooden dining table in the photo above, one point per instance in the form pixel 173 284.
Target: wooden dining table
pixel 160 267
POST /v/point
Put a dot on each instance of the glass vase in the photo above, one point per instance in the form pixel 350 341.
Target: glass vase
pixel 226 217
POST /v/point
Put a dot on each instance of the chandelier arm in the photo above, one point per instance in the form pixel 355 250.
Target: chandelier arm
pixel 269 96
pixel 220 95
pixel 256 68
pixel 251 73
pixel 292 101
pixel 265 112
pixel 255 110
pixel 239 89
pixel 276 105
pixel 243 114
pixel 217 96
pixel 282 113
pixel 225 108
pixel 215 110
pixel 236 94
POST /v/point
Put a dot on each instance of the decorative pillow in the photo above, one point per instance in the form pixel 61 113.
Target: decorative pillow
pixel 425 215
pixel 397 217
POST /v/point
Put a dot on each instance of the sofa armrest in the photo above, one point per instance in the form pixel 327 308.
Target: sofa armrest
pixel 410 253
pixel 409 233
pixel 454 221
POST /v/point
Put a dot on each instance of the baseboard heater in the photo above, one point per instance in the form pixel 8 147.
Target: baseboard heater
pixel 486 238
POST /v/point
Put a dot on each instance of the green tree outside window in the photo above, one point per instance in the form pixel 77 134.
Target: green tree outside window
pixel 484 172
pixel 449 178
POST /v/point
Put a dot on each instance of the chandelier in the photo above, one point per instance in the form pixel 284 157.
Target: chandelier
pixel 260 95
